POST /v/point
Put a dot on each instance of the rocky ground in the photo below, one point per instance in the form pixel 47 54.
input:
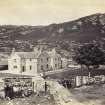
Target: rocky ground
pixel 34 99
pixel 90 95
pixel 86 95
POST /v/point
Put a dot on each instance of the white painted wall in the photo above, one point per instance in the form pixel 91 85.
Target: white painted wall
pixel 14 60
pixel 33 64
pixel 64 62
pixel 56 62
pixel 78 80
pixel 15 63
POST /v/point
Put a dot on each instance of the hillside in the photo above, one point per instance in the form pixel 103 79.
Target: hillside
pixel 25 37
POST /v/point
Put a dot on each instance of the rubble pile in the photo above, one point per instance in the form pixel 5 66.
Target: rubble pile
pixel 61 95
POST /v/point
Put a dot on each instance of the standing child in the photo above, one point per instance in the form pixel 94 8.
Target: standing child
pixel 46 87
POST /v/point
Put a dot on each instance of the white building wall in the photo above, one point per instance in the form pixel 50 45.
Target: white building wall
pixel 14 64
pixel 30 67
pixel 64 62
pixel 85 80
pixel 56 62
pixel 52 63
pixel 49 62
pixel 55 59
pixel 78 80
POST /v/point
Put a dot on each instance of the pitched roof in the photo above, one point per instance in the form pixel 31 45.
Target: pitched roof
pixel 51 54
pixel 27 54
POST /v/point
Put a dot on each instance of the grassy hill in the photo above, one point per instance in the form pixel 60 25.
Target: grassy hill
pixel 82 30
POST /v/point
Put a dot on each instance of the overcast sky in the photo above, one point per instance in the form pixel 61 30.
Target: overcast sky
pixel 42 12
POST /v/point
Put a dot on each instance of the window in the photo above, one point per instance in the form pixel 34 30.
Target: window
pixel 42 67
pixel 15 67
pixel 47 66
pixel 55 65
pixel 23 68
pixel 30 67
pixel 30 59
pixel 47 59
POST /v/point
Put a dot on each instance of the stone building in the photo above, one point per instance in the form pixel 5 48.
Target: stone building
pixel 56 61
pixel 28 62
pixel 35 62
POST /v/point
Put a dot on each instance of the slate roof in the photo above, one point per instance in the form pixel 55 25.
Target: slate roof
pixel 52 54
pixel 28 55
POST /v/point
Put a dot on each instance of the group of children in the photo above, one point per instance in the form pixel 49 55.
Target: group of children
pixel 12 91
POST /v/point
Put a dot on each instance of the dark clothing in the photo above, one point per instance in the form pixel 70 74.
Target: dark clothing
pixel 11 92
pixel 68 84
pixel 8 91
pixel 46 87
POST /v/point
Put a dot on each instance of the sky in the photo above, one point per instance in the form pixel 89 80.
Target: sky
pixel 44 12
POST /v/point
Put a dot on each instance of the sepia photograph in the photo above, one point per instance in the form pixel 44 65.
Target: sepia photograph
pixel 52 52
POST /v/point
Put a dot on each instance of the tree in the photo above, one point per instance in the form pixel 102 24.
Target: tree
pixel 90 55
